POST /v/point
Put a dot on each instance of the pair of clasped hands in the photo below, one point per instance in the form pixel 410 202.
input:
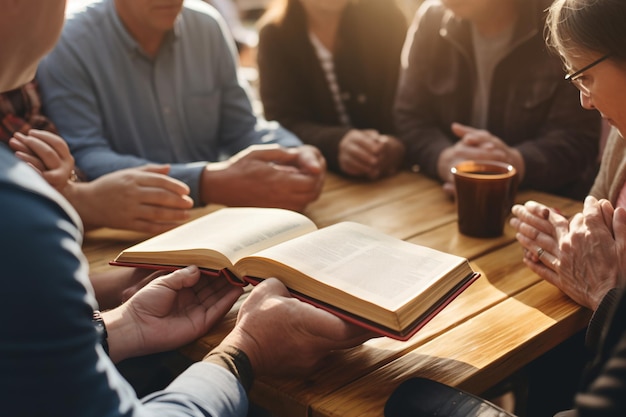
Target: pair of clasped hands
pixel 475 144
pixel 369 154
pixel 146 199
pixel 584 256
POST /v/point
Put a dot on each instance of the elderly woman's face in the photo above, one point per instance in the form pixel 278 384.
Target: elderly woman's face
pixel 603 87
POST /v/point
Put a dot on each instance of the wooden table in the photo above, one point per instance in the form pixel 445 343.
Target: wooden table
pixel 507 318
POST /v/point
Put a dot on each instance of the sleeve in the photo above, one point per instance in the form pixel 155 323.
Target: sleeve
pixel 283 88
pixel 414 114
pixel 70 100
pixel 70 95
pixel 599 319
pixel 49 348
pixel 204 389
pixel 236 361
pixel 240 127
pixel 606 396
pixel 603 391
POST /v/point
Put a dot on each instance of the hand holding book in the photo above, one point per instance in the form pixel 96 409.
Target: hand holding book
pixel 364 276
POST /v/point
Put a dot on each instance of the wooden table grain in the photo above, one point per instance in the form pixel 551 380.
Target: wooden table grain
pixel 507 318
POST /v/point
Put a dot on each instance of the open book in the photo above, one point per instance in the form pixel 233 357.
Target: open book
pixel 354 271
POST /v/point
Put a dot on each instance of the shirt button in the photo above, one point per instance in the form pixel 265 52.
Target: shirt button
pixel 361 98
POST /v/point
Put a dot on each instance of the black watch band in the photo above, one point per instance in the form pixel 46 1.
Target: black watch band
pixel 101 329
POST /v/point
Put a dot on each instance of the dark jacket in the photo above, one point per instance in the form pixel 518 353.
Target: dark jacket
pixel 531 106
pixel 293 86
pixel 603 386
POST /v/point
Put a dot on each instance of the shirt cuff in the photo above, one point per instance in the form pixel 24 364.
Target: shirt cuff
pixel 600 318
pixel 234 360
pixel 190 174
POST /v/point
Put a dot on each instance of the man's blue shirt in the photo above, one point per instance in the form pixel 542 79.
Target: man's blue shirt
pixel 51 360
pixel 118 108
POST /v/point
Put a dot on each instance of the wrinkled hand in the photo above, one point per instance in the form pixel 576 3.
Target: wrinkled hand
pixel 266 176
pixel 584 256
pixel 281 334
pixel 169 312
pixel 367 153
pixel 476 144
pixel 144 199
pixel 47 153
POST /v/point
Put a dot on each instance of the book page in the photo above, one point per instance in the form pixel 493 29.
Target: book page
pixel 363 262
pixel 234 232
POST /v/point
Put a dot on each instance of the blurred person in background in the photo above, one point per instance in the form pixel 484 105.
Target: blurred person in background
pixel 136 82
pixel 328 72
pixel 478 82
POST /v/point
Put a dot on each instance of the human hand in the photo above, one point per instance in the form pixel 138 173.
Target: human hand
pixel 306 158
pixel 367 153
pixel 583 256
pixel 144 199
pixel 116 286
pixel 170 311
pixel 476 144
pixel 272 325
pixel 532 219
pixel 47 153
pixel 266 176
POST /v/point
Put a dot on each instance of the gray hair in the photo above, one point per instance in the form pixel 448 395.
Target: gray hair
pixel 582 26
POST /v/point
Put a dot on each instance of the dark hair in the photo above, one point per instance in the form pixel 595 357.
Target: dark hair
pixel 579 26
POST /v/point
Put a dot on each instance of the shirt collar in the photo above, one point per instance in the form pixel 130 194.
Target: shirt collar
pixel 127 39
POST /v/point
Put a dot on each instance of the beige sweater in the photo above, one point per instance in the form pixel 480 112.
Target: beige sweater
pixel 612 174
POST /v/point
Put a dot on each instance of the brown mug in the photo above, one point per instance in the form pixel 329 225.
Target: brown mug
pixel 485 191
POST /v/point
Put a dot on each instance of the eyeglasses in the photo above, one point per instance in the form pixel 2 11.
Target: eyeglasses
pixel 577 79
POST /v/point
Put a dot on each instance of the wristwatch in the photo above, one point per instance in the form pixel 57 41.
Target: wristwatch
pixel 101 329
